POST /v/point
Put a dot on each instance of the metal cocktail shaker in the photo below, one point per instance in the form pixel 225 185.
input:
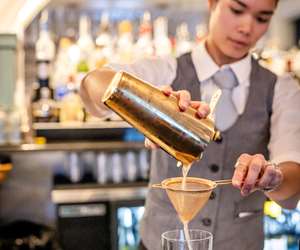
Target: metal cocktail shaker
pixel 157 116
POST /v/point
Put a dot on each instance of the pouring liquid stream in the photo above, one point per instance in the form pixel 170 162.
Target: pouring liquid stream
pixel 185 171
pixel 187 235
pixel 186 168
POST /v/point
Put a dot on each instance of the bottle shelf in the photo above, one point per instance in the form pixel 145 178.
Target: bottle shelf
pixel 83 131
pixel 81 194
pixel 73 146
pixel 81 125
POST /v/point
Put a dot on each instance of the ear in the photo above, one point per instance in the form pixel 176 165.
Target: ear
pixel 211 4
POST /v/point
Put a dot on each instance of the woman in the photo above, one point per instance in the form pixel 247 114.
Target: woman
pixel 258 120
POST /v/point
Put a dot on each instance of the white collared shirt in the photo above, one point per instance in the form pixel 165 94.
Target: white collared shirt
pixel 284 142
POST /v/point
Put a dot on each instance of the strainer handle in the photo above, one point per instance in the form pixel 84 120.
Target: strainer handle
pixel 224 182
pixel 157 186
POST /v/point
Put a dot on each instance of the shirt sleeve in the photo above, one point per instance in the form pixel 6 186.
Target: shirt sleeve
pixel 284 143
pixel 158 71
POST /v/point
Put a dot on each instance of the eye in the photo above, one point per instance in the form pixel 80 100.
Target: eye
pixel 236 11
pixel 262 20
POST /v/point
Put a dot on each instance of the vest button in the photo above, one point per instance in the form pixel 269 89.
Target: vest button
pixel 206 222
pixel 219 139
pixel 214 168
pixel 212 195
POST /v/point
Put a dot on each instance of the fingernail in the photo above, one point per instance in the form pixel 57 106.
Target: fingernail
pixel 201 114
pixel 183 106
pixel 236 183
pixel 246 191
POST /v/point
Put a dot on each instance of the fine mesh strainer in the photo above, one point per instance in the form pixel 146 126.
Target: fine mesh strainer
pixel 189 198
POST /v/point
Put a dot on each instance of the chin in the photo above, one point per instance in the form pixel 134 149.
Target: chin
pixel 236 54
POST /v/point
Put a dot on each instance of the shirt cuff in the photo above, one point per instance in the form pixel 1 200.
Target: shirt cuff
pixel 291 156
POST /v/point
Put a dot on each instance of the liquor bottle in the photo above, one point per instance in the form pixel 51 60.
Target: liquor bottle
pixel 144 45
pixel 3 125
pixel 63 68
pixel 86 46
pixel 14 122
pixel 162 42
pixel 201 32
pixel 183 42
pixel 125 42
pixel 71 107
pixel 45 109
pixel 45 52
pixel 104 42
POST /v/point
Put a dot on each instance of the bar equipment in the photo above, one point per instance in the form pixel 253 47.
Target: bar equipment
pixel 157 116
pixel 189 199
pixel 175 240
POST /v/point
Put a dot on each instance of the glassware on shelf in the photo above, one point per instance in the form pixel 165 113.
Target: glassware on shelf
pixel 131 167
pixel 101 168
pixel 128 227
pixel 144 164
pixel 116 168
pixel 75 167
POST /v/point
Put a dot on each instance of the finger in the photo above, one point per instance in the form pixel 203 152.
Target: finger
pixel 195 104
pixel 184 99
pixel 254 170
pixel 203 110
pixel 167 90
pixel 277 180
pixel 241 169
pixel 150 144
pixel 266 179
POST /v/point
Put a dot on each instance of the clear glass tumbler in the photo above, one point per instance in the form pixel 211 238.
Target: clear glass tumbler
pixel 198 240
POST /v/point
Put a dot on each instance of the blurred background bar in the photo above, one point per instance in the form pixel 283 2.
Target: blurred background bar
pixel 78 180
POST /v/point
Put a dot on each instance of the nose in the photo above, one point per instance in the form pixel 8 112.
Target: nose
pixel 246 25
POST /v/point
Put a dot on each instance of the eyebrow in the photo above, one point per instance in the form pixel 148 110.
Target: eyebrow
pixel 264 12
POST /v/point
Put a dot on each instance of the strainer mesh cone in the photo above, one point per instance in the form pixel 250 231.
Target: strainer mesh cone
pixel 190 200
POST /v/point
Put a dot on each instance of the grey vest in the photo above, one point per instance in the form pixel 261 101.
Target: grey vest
pixel 235 221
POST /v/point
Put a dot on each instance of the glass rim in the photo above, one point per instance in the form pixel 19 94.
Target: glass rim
pixel 208 235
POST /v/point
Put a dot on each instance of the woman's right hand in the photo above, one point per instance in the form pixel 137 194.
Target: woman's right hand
pixel 184 101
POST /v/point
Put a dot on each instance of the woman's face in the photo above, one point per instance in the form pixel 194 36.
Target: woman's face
pixel 235 26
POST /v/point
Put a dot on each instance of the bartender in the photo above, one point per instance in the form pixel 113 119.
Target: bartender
pixel 258 116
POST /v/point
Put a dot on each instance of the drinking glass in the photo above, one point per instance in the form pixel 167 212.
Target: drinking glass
pixel 175 240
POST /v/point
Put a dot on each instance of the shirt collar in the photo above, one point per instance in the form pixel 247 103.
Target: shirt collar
pixel 206 67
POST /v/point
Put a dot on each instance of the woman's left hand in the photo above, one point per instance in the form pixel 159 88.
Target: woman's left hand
pixel 254 172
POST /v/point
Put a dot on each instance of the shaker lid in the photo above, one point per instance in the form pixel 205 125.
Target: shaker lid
pixel 112 88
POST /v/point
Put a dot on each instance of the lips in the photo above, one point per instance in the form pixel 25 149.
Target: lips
pixel 239 42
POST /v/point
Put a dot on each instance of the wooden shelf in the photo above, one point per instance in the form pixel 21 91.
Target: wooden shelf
pixel 73 146
pixel 81 125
